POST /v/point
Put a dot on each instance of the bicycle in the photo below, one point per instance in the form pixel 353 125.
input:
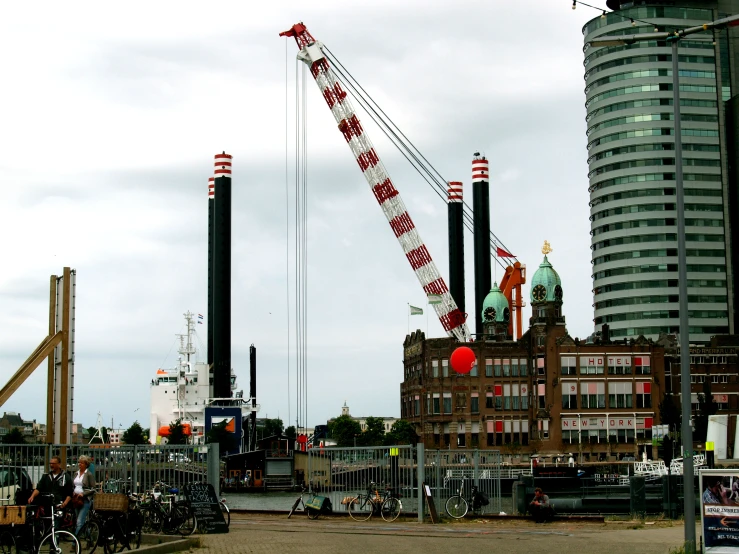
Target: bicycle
pixel 457 506
pixel 50 539
pixel 177 517
pixel 313 511
pixel 363 506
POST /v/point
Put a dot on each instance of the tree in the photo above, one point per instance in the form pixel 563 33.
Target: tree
pixel 670 412
pixel 535 443
pixel 272 427
pixel 512 448
pixel 134 434
pixel 177 433
pixel 343 430
pixel 14 436
pixel 290 433
pixel 374 433
pixel 226 439
pixel 401 432
pixel 92 431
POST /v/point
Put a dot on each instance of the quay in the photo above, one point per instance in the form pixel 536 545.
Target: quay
pixel 263 533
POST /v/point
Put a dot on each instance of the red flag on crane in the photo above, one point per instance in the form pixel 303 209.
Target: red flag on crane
pixel 502 253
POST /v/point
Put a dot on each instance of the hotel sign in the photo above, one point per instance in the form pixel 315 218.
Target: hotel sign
pixel 599 423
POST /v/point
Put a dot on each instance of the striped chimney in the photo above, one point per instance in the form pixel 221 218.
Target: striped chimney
pixel 454 191
pixel 222 165
pixel 455 209
pixel 211 188
pixel 481 234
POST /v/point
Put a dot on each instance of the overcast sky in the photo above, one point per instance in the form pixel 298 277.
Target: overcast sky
pixel 109 120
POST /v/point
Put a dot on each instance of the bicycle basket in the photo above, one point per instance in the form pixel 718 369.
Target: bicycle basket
pixel 12 515
pixel 111 502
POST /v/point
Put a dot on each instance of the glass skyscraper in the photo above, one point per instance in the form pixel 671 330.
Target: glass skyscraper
pixel 631 163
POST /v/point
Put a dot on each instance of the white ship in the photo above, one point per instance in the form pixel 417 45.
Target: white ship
pixel 185 391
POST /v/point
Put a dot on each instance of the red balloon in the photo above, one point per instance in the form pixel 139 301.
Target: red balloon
pixel 463 360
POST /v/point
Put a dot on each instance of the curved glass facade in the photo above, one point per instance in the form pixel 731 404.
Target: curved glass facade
pixel 631 171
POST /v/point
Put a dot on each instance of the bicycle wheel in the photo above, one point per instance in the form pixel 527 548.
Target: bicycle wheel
pixel 361 507
pixel 151 522
pixel 226 514
pixel 295 506
pixel 60 542
pixel 188 521
pixel 390 509
pixel 88 537
pixel 7 543
pixel 456 507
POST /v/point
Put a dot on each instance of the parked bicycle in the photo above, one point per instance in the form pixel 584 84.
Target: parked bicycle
pixel 458 506
pixel 387 504
pixel 315 506
pixel 41 534
pixel 162 513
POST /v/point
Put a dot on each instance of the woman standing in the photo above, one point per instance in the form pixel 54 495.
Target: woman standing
pixel 84 488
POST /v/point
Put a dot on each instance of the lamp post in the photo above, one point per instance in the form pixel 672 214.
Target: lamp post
pixel 687 432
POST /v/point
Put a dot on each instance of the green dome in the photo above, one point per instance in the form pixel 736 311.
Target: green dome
pixel 546 286
pixel 495 307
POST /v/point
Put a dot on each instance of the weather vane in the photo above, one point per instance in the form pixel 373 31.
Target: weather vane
pixel 546 249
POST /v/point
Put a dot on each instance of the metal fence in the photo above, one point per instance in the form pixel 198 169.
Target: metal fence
pixel 116 469
pixel 343 473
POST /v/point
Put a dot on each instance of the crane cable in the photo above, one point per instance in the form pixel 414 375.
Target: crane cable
pixel 404 145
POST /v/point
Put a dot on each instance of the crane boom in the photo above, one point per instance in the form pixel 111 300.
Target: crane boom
pixel 311 53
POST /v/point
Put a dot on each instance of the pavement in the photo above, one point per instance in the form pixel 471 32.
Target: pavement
pixel 263 533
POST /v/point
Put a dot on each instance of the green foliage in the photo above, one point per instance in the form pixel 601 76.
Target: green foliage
pixel 374 433
pixel 92 431
pixel 272 427
pixel 670 412
pixel 177 433
pixel 226 439
pixel 401 432
pixel 134 434
pixel 14 436
pixel 290 433
pixel 343 430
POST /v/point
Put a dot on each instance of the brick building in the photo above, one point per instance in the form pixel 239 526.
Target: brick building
pixel 545 393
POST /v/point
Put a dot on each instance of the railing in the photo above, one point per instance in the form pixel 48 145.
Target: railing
pixel 116 469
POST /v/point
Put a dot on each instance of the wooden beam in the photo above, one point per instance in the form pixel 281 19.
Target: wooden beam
pixel 50 370
pixel 42 351
pixel 64 404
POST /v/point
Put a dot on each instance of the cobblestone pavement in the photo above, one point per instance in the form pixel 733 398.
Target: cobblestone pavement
pixel 276 534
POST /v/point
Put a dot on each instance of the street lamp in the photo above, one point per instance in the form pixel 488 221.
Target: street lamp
pixel 687 432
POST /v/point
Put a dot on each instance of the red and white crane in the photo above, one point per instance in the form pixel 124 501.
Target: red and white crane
pixel 311 52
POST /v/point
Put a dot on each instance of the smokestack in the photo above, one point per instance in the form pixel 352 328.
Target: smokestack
pixel 456 243
pixel 253 396
pixel 221 277
pixel 211 236
pixel 481 208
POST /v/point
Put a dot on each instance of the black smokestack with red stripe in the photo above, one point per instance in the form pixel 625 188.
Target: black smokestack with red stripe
pixel 211 237
pixel 221 277
pixel 455 209
pixel 481 225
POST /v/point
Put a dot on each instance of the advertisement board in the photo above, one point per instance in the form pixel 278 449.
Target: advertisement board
pixel 232 416
pixel 720 510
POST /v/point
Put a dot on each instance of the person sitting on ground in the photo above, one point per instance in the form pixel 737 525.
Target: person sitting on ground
pixel 540 508
pixel 56 482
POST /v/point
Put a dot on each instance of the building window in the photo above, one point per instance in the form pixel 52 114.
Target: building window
pixel 461 401
pixel 474 440
pixel 540 365
pixel 446 434
pixel 435 368
pixel 620 395
pixel 619 365
pixel 475 404
pixel 447 402
pixel 643 394
pixel 506 368
pixel 523 365
pixel 473 371
pixel 641 365
pixel 541 339
pixel 514 367
pixel 416 406
pixel 489 400
pixel 488 368
pixel 569 395
pixel 542 313
pixel 567 365
pixel 591 365
pixel 445 368
pixel 592 394
pixel 497 368
pixel 428 404
pixel 436 403
pixel 570 437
